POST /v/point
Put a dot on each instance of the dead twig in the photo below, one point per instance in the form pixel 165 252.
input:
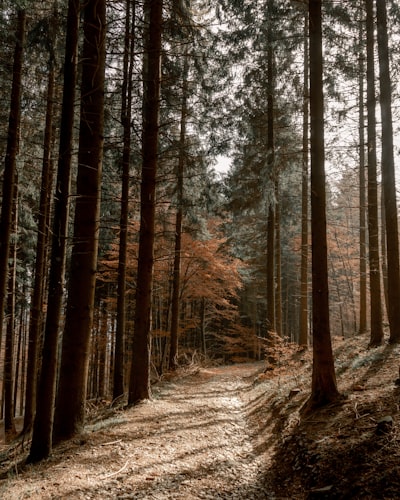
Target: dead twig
pixel 117 472
pixel 112 442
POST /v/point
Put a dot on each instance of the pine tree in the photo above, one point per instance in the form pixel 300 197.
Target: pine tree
pixel 10 168
pixel 126 118
pixel 71 394
pixel 362 180
pixel 139 387
pixel 323 388
pixel 9 354
pixel 303 320
pixel 376 335
pixel 41 444
pixel 178 222
pixel 36 313
pixel 388 175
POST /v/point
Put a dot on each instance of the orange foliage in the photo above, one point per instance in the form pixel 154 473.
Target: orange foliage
pixel 209 275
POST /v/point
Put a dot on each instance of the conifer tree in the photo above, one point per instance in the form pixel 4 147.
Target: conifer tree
pixel 36 313
pixel 323 387
pixel 362 180
pixel 139 386
pixel 9 354
pixel 178 222
pixel 376 335
pixel 126 118
pixel 388 175
pixel 41 444
pixel 303 320
pixel 10 166
pixel 71 393
pixel 271 172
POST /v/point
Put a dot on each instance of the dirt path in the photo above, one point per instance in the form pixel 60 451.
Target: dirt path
pixel 192 441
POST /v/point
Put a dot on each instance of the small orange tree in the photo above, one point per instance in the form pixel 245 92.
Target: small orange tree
pixel 210 319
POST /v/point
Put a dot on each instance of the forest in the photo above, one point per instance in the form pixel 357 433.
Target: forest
pixel 188 184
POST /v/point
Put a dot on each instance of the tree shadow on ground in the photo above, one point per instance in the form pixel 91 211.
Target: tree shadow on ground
pixel 339 451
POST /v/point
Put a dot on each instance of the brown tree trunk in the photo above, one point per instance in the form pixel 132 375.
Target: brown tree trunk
pixel 388 175
pixel 271 172
pixel 139 387
pixel 271 269
pixel 203 329
pixel 303 322
pixel 9 174
pixel 19 384
pixel 383 254
pixel 102 347
pixel 323 389
pixel 9 423
pixel 363 233
pixel 71 395
pixel 126 118
pixel 41 444
pixel 376 336
pixel 278 262
pixel 36 316
pixel 178 224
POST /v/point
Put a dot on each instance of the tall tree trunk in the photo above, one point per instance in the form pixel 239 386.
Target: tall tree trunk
pixel 323 389
pixel 384 269
pixel 271 269
pixel 71 395
pixel 178 223
pixel 126 118
pixel 36 316
pixel 93 375
pixel 139 387
pixel 376 336
pixel 303 322
pixel 271 172
pixel 9 423
pixel 9 174
pixel 203 329
pixel 43 422
pixel 388 175
pixel 363 233
pixel 102 347
pixel 19 384
pixel 278 262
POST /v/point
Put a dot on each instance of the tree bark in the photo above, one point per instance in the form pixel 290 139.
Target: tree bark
pixel 388 175
pixel 9 381
pixel 139 388
pixel 36 313
pixel 303 322
pixel 279 328
pixel 178 223
pixel 271 172
pixel 71 395
pixel 126 118
pixel 376 335
pixel 363 233
pixel 323 389
pixel 9 174
pixel 41 444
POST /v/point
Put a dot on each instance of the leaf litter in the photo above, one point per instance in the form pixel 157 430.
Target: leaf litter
pixel 233 432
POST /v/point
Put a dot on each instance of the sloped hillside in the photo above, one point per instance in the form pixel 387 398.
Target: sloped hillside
pixel 347 450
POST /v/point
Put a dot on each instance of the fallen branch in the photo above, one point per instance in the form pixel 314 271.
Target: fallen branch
pixel 117 472
pixel 111 442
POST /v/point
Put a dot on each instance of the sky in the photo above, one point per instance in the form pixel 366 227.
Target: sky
pixel 223 164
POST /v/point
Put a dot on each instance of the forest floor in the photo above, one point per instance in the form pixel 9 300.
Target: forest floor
pixel 233 432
